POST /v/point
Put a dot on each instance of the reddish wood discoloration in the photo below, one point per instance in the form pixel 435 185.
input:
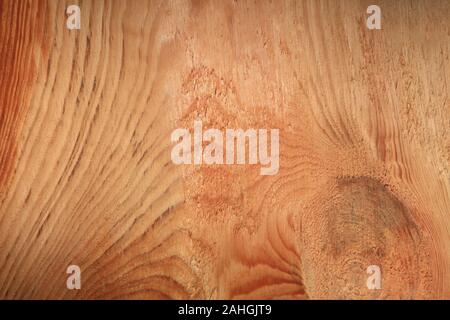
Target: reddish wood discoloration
pixel 21 33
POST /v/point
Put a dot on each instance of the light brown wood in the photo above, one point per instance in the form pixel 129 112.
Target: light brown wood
pixel 86 176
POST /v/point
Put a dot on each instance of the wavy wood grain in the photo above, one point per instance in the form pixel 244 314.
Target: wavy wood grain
pixel 86 176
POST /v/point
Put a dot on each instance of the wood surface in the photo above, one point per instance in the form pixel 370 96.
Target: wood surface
pixel 86 176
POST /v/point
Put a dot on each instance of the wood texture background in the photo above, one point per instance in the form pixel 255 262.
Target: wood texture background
pixel 86 176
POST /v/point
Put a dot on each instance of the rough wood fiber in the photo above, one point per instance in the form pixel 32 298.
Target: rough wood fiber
pixel 86 176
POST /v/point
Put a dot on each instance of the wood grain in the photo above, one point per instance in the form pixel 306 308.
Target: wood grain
pixel 86 176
